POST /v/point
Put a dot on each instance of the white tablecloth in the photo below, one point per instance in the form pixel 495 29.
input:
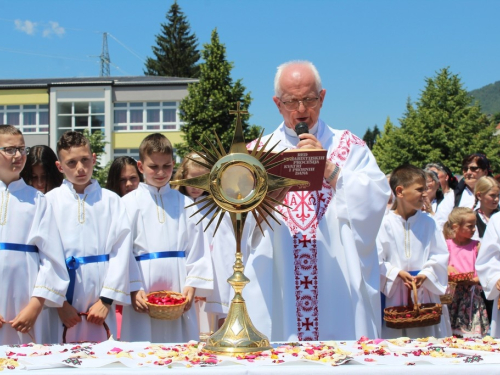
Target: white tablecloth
pixel 449 356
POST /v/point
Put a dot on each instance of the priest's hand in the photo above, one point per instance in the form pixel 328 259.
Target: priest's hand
pixel 419 280
pixel 2 321
pixel 139 301
pixel 332 168
pixel 188 293
pixel 68 315
pixel 406 277
pixel 98 312
pixel 309 141
pixel 26 319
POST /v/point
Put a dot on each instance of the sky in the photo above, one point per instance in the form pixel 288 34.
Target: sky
pixel 372 55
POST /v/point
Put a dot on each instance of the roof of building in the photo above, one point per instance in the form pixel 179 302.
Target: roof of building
pixel 94 81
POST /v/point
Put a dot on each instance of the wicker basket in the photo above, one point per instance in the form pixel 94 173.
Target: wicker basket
pixel 461 277
pixel 165 312
pixel 106 328
pixel 447 297
pixel 414 314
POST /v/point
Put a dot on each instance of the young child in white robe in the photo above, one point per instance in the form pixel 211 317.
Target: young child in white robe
pixel 213 309
pixel 412 248
pixel 488 269
pixel 97 245
pixel 123 177
pixel 171 253
pixel 32 270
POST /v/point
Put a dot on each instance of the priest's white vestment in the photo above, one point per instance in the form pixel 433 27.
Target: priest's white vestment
pixel 160 223
pixel 26 218
pixel 413 245
pixel 488 268
pixel 93 224
pixel 315 277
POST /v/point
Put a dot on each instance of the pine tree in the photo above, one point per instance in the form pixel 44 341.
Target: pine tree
pixel 443 125
pixel 385 150
pixel 176 50
pixel 205 109
pixel 370 136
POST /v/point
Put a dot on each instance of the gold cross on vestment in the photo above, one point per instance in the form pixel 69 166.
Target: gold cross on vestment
pixel 238 112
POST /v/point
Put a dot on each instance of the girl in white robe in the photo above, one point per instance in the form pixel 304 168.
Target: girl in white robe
pixel 26 218
pixel 488 269
pixel 93 224
pixel 160 223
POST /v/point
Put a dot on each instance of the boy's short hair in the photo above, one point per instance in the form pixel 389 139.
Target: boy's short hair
pixel 405 175
pixel 10 129
pixel 71 139
pixel 153 143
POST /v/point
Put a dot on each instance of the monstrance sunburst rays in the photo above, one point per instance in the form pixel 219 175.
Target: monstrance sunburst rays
pixel 259 161
pixel 238 182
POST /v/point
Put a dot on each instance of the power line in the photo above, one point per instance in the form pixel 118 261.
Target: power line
pixel 129 49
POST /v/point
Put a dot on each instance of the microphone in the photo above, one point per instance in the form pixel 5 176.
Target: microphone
pixel 301 128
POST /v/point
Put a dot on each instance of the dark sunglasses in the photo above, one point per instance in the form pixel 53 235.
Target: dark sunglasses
pixel 472 169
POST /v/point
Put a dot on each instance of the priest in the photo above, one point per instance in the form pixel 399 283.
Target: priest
pixel 316 276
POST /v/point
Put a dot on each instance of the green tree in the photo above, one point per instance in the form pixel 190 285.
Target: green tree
pixel 385 150
pixel 97 145
pixel 176 52
pixel 205 109
pixel 443 125
pixel 370 136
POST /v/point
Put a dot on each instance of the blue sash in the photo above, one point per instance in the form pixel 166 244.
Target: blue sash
pixel 18 247
pixel 382 295
pixel 73 263
pixel 161 254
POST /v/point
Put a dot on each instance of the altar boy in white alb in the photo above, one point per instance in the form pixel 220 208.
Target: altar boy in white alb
pixel 170 250
pixel 412 248
pixel 97 244
pixel 32 272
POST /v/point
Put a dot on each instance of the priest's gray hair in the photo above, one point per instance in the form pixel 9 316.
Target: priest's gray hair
pixel 317 78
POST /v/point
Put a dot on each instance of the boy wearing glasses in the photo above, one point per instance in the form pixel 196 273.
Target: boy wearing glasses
pixel 29 246
pixel 97 245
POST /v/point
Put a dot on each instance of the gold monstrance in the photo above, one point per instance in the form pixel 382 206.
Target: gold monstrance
pixel 238 183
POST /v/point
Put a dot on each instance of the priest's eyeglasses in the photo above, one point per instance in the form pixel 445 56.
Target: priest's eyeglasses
pixel 11 151
pixel 293 105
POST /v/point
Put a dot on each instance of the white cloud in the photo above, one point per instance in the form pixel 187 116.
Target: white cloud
pixel 27 26
pixel 53 29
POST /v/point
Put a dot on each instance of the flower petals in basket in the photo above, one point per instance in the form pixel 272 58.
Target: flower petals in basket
pixel 413 315
pixel 165 305
pixel 461 277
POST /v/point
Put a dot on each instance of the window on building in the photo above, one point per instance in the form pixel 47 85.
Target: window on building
pixel 78 116
pixel 146 116
pixel 132 152
pixel 29 118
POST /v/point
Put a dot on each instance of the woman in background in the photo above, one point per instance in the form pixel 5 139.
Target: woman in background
pixel 40 170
